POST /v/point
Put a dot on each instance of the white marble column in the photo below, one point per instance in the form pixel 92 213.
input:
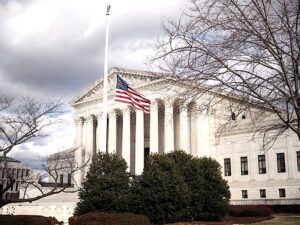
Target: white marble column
pixel 203 135
pixel 169 126
pixel 78 153
pixel 99 133
pixel 112 136
pixel 154 127
pixel 90 138
pixel 139 143
pixel 184 130
pixel 126 143
pixel 104 132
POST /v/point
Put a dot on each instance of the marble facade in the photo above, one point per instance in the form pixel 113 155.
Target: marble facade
pixel 171 126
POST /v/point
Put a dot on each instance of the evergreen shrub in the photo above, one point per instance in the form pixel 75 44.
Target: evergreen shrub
pixel 178 187
pixel 173 187
pixel 161 192
pixel 106 188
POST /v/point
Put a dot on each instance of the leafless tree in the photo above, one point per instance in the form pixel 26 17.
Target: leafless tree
pixel 33 185
pixel 246 50
pixel 23 119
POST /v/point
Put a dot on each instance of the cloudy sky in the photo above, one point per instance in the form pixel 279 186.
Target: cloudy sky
pixel 57 46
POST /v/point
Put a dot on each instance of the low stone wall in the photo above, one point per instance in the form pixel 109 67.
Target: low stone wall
pixel 61 211
pixel 266 202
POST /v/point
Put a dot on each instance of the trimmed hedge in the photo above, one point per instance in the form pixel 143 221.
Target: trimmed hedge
pixel 101 218
pixel 250 210
pixel 286 208
pixel 28 220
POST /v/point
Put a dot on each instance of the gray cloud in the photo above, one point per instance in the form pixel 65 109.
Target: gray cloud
pixel 68 55
pixel 34 160
pixel 58 49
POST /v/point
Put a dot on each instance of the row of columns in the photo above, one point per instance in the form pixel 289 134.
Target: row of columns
pixel 93 129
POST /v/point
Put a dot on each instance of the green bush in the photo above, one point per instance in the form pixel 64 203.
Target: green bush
pixel 109 219
pixel 173 187
pixel 106 188
pixel 27 220
pixel 209 192
pixel 179 187
pixel 161 192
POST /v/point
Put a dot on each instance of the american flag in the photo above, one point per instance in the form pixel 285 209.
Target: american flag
pixel 126 94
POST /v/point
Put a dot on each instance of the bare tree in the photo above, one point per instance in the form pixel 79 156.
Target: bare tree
pixel 57 166
pixel 22 120
pixel 246 50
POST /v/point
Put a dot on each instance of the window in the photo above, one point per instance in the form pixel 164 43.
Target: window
pixel 17 186
pixel 244 194
pixel 227 167
pixel 262 164
pixel 282 192
pixel 262 193
pixel 233 116
pixel 61 177
pixel 22 174
pixel 280 163
pixel 298 160
pixel 12 186
pixel 244 166
pixel 18 173
pixel 69 179
pixel 27 172
pixel 146 154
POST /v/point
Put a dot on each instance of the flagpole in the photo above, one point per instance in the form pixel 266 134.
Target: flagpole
pixel 105 84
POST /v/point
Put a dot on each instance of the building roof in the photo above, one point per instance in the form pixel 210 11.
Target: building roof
pixel 94 91
pixel 8 159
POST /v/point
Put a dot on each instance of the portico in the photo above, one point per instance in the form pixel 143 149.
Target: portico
pixel 132 131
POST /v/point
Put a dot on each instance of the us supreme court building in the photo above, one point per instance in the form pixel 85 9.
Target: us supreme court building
pixel 254 176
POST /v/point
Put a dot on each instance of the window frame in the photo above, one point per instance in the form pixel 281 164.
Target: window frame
pixel 244 193
pixel 282 192
pixel 227 167
pixel 262 193
pixel 244 166
pixel 281 167
pixel 262 169
pixel 69 179
pixel 61 178
pixel 298 160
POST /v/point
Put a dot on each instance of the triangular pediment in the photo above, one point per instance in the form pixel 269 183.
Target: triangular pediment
pixel 135 78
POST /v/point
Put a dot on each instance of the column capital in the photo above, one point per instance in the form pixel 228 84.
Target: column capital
pixel 99 115
pixel 154 104
pixel 126 110
pixel 90 119
pixel 112 114
pixel 169 102
pixel 78 121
